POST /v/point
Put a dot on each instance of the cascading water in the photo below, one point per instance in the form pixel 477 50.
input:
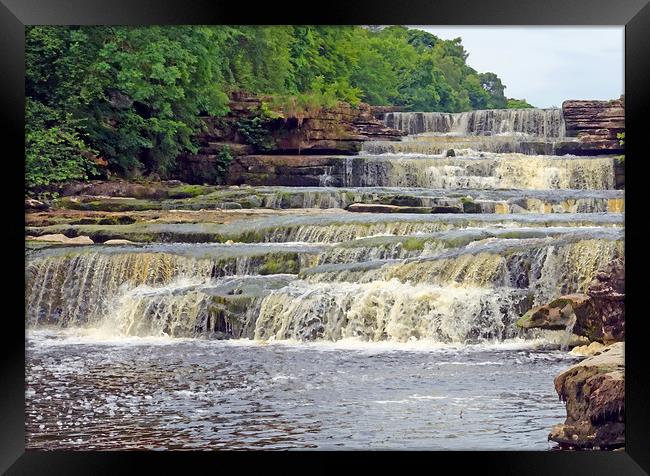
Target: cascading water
pixel 482 171
pixel 532 122
pixel 522 227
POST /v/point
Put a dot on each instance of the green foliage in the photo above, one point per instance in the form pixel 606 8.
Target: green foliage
pixel 518 104
pixel 54 149
pixel 621 139
pixel 254 132
pixel 133 95
pixel 224 157
pixel 492 84
pixel 276 263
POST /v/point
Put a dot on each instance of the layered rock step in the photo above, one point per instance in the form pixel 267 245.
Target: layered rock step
pixel 597 122
pixel 90 197
pixel 470 170
pixel 320 227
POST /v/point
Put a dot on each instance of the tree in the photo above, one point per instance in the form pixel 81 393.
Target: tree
pixel 133 95
pixel 492 84
pixel 518 104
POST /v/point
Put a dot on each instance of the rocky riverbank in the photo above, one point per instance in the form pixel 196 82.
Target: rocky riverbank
pixel 594 392
pixel 594 389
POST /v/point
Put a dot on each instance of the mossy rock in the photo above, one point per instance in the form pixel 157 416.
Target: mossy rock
pixel 107 205
pixel 189 191
pixel 413 244
pixel 470 206
pixel 280 263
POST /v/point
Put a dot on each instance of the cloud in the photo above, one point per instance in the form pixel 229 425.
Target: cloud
pixel 546 65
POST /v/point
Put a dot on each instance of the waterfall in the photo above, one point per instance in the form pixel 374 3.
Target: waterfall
pixel 483 172
pixel 386 310
pixel 496 226
pixel 531 122
pixel 81 287
pixel 226 307
pixel 459 290
pixel 564 266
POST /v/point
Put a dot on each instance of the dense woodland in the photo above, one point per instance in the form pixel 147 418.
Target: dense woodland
pixel 132 95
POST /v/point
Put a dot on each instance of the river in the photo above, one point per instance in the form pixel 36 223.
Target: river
pixel 331 329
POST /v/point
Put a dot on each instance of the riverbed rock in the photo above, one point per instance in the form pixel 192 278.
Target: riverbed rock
pixel 560 313
pixel 60 238
pixel 230 206
pixel 118 242
pixel 594 392
pixel 588 350
pixel 117 188
pixel 608 292
pixel 598 314
pixel 287 170
pixel 33 204
pixel 384 208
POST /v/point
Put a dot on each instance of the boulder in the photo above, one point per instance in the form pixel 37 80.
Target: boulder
pixel 570 310
pixel 594 392
pixel 598 314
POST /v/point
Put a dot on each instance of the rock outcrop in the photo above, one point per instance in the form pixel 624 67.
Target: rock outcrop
pixel 598 315
pixel 33 204
pixel 287 170
pixel 115 188
pixel 60 238
pixel 340 129
pixel 595 123
pixel 594 392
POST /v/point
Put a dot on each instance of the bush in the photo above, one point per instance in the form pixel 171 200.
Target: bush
pixel 54 150
pixel 255 132
pixel 223 162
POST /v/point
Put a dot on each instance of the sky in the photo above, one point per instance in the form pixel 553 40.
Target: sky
pixel 546 65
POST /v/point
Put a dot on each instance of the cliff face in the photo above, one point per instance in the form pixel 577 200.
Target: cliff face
pixel 341 130
pixel 595 123
pixel 337 130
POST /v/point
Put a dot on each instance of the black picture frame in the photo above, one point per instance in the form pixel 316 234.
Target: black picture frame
pixel 15 14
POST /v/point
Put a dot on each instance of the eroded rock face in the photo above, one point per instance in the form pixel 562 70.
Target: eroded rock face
pixel 116 188
pixel 598 315
pixel 287 170
pixel 595 123
pixel 594 392
pixel 337 130
pixel 607 291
